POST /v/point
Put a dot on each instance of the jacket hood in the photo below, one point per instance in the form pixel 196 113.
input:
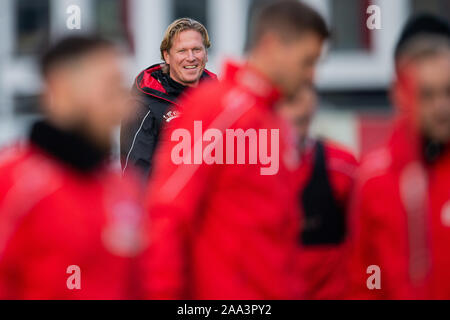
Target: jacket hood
pixel 147 82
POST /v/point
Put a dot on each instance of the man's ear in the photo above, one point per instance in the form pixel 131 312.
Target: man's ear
pixel 166 57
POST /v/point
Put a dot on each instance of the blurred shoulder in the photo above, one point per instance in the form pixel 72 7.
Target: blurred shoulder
pixel 340 158
pixel 13 155
pixel 337 150
pixel 27 177
pixel 216 102
pixel 375 169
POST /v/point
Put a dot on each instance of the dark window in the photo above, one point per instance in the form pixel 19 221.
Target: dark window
pixel 350 32
pixel 26 104
pixel 438 7
pixel 195 9
pixel 32 26
pixel 111 18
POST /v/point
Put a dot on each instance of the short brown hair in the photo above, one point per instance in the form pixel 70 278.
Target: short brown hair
pixel 288 18
pixel 69 49
pixel 421 47
pixel 181 25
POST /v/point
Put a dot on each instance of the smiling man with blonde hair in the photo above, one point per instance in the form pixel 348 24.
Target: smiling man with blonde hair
pixel 184 51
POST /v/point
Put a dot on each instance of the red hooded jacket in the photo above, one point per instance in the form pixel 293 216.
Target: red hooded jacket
pixel 401 215
pixel 61 210
pixel 225 231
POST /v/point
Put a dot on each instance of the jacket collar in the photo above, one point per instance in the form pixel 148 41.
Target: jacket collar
pixel 407 146
pixel 70 148
pixel 433 151
pixel 154 82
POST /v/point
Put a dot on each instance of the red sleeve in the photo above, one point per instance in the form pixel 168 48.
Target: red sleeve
pixel 362 256
pixel 378 238
pixel 31 266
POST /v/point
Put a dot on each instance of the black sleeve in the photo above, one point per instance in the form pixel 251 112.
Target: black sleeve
pixel 138 139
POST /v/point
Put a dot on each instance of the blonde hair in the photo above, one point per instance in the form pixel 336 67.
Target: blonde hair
pixel 179 26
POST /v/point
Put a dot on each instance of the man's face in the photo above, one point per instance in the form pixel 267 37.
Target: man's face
pixel 187 58
pixel 433 84
pixel 96 96
pixel 300 110
pixel 296 62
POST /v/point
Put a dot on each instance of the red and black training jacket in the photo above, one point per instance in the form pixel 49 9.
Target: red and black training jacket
pixel 154 98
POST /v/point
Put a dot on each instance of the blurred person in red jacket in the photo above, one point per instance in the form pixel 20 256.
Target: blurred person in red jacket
pixel 401 214
pixel 70 227
pixel 326 177
pixel 223 220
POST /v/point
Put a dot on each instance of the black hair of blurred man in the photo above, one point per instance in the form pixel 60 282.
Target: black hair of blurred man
pixel 422 88
pixel 424 24
pixel 285 44
pixel 84 92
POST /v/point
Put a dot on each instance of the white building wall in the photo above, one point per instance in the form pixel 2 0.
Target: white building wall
pixel 7 128
pixel 227 30
pixel 227 24
pixel 365 70
pixel 150 19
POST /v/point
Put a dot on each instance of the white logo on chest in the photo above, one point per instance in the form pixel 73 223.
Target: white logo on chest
pixel 122 234
pixel 169 116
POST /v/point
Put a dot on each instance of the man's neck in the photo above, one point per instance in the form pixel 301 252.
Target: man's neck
pixel 190 84
pixel 76 125
pixel 258 63
pixel 69 146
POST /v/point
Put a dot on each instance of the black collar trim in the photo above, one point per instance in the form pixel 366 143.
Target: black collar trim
pixel 70 148
pixel 173 89
pixel 432 151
